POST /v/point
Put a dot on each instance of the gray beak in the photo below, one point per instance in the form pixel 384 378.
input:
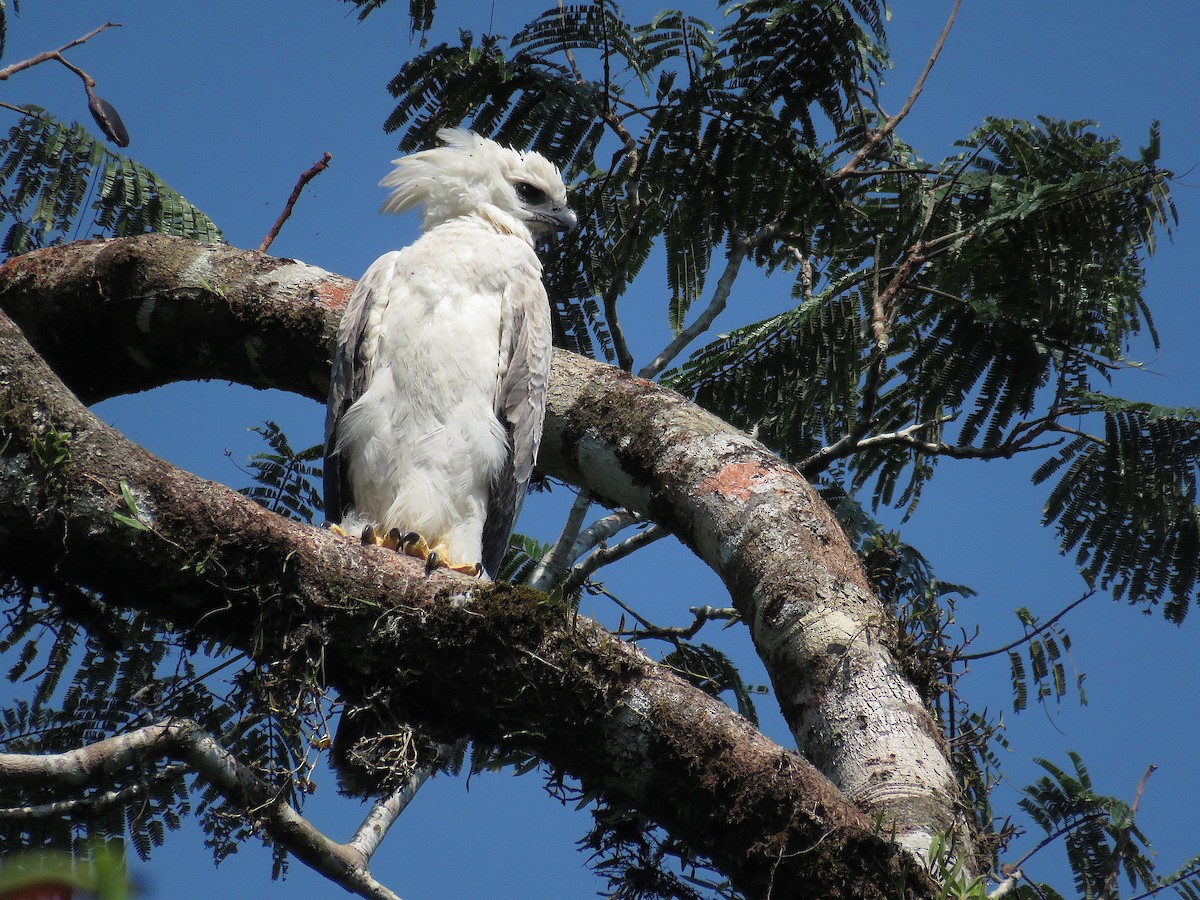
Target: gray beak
pixel 563 218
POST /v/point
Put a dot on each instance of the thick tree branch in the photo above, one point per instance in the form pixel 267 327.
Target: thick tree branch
pixel 446 652
pixel 183 739
pixel 822 634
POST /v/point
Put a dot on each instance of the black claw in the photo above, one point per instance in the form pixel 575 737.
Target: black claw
pixel 410 537
pixel 368 535
pixel 431 562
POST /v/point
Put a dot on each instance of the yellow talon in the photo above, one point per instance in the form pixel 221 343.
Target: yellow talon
pixel 413 544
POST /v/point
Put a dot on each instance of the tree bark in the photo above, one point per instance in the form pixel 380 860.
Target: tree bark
pixel 169 309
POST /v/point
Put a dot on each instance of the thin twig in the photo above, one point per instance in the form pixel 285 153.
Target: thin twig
pixel 890 125
pixel 966 657
pixel 48 55
pixel 317 169
pixel 566 48
pixel 703 614
pixel 603 556
pixel 1051 838
pixel 1110 883
pixel 23 110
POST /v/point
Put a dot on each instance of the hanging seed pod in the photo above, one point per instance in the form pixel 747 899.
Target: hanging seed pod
pixel 107 118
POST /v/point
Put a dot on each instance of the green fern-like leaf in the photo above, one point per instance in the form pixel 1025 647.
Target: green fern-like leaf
pixel 48 172
pixel 287 481
pixel 714 673
pixel 1126 502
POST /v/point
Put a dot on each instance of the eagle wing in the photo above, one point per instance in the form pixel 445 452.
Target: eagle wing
pixel 346 384
pixel 522 379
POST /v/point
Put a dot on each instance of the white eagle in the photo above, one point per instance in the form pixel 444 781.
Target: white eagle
pixel 443 354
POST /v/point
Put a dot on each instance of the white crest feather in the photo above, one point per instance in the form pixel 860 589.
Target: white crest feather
pixel 470 175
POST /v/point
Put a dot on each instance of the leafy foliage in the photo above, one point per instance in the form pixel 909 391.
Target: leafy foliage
pixel 522 558
pixel 1127 502
pixel 673 101
pixel 420 12
pixel 1099 832
pixel 1048 649
pixel 1003 281
pixel 287 482
pixel 16 5
pixel 641 862
pixel 57 183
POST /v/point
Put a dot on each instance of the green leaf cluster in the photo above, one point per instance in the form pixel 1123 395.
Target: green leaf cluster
pixel 59 183
pixel 1125 501
pixel 962 308
pixel 670 102
pixel 1098 831
pixel 286 481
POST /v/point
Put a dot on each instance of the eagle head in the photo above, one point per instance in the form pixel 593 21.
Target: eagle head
pixel 521 193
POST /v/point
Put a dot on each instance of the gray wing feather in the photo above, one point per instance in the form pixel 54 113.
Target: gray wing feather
pixel 346 384
pixel 521 406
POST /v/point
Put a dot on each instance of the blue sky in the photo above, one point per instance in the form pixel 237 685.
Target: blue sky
pixel 230 101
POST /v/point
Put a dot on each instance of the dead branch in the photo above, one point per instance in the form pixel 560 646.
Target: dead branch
pixel 308 175
pixel 185 740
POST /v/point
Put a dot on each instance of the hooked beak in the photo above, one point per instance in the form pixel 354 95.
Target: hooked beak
pixel 563 218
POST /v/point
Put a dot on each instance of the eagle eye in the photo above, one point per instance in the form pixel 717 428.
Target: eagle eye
pixel 530 194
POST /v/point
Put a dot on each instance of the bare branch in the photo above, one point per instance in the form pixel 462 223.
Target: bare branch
pixel 383 814
pixel 716 305
pixel 317 168
pixel 1007 886
pixel 48 55
pixel 703 615
pixel 184 739
pixel 567 50
pixel 553 565
pixel 965 657
pixel 602 529
pixel 889 126
pixel 603 555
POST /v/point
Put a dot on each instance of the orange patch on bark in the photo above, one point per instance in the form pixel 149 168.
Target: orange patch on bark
pixel 736 481
pixel 334 295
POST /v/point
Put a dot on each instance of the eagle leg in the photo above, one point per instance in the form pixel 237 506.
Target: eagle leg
pixel 413 544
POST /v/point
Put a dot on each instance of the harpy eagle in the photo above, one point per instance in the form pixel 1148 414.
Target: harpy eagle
pixel 443 354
